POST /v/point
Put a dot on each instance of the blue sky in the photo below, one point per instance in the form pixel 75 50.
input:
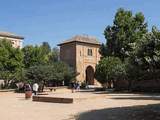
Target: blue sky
pixel 57 20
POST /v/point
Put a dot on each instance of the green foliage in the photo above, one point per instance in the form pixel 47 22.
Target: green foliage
pixel 40 55
pixel 122 36
pixel 38 63
pixel 53 56
pixel 56 72
pixel 46 49
pixel 110 68
pixel 10 62
pixel 146 59
pixel 129 40
pixel 33 56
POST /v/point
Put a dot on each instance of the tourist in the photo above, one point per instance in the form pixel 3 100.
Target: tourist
pixel 28 91
pixel 78 86
pixel 27 87
pixel 73 86
pixel 35 88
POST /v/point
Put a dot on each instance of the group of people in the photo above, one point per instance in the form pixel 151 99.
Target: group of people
pixel 75 86
pixel 34 88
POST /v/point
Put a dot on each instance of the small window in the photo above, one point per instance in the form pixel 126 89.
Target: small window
pixel 12 42
pixel 89 52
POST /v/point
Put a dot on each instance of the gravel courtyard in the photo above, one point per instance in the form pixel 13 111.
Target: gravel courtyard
pixel 13 106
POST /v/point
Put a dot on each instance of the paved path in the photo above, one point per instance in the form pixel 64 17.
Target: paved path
pixel 13 106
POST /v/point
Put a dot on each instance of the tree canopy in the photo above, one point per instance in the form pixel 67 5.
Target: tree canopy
pixel 32 63
pixel 109 68
pixel 56 72
pixel 122 36
pixel 137 50
pixel 10 62
pixel 146 58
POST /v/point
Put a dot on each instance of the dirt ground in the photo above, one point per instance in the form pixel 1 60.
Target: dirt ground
pixel 13 106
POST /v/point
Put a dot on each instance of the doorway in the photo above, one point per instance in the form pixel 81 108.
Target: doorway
pixel 90 75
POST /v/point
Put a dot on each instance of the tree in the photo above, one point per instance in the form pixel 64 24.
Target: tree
pixel 46 48
pixel 110 69
pixel 37 55
pixel 10 62
pixel 56 72
pixel 34 55
pixel 54 55
pixel 122 36
pixel 45 51
pixel 147 56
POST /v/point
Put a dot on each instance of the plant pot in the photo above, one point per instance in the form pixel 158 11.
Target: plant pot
pixel 28 94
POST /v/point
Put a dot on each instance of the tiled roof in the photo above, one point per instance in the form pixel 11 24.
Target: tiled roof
pixel 83 39
pixel 7 34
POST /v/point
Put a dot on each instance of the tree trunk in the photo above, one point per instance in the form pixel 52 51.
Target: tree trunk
pixel 129 85
pixel 109 84
pixel 43 84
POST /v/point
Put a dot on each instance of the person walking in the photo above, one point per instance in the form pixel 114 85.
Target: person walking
pixel 78 86
pixel 73 86
pixel 35 88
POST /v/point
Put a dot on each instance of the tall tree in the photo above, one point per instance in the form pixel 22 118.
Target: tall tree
pixel 122 36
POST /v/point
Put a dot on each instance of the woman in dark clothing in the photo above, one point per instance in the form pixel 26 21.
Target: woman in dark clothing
pixel 28 91
pixel 73 86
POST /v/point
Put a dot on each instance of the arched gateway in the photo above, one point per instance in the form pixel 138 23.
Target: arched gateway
pixel 82 53
pixel 90 75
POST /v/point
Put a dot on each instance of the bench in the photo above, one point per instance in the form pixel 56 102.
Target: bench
pixel 52 99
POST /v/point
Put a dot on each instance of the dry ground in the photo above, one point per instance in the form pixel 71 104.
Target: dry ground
pixel 13 106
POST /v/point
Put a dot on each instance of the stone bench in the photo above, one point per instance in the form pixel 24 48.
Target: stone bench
pixel 52 99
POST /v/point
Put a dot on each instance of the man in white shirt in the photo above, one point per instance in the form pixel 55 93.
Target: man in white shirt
pixel 35 88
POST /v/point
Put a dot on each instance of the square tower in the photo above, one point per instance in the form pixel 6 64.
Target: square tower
pixel 81 52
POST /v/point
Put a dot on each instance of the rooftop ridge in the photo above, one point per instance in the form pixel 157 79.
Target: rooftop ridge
pixel 82 38
pixel 9 34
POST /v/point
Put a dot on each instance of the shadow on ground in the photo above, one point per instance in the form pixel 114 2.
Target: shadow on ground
pixel 138 98
pixel 147 112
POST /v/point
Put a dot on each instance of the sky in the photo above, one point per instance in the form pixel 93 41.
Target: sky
pixel 54 21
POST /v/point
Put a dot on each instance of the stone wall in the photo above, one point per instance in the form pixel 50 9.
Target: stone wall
pixel 140 86
pixel 146 85
pixel 83 60
pixel 68 54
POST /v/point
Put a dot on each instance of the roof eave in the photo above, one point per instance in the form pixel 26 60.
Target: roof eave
pixel 10 36
pixel 78 42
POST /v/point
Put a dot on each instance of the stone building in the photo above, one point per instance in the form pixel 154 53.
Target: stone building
pixel 82 53
pixel 16 40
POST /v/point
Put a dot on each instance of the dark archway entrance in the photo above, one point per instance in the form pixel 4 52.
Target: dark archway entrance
pixel 90 75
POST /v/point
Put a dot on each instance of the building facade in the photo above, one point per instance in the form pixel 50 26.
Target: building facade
pixel 82 53
pixel 16 40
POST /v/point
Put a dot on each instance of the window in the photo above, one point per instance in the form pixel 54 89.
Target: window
pixel 12 42
pixel 89 52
